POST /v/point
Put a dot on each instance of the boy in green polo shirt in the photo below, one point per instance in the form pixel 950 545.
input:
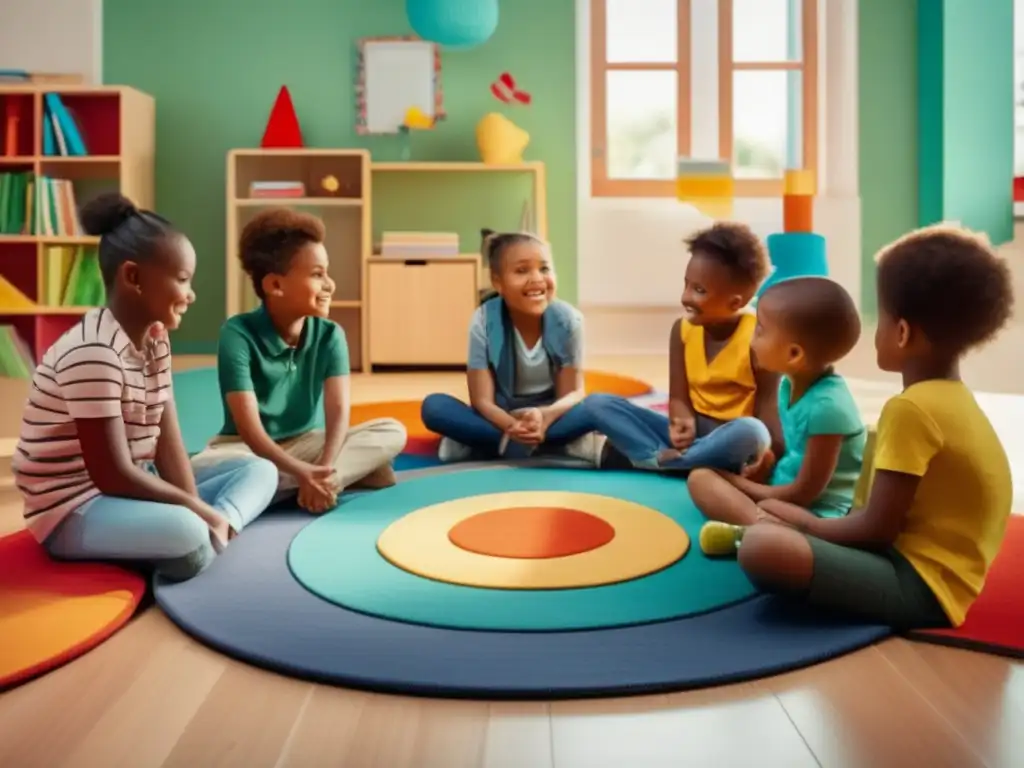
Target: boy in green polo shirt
pixel 277 362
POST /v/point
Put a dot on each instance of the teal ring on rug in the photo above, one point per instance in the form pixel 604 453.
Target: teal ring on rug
pixel 335 557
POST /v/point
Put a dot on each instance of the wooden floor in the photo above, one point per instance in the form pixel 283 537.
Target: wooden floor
pixel 151 696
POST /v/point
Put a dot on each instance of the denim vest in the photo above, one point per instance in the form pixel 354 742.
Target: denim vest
pixel 558 327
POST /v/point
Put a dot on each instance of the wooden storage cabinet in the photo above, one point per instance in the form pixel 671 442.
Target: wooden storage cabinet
pixel 420 310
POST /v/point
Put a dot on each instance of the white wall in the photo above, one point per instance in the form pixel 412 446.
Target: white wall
pixel 631 257
pixel 53 36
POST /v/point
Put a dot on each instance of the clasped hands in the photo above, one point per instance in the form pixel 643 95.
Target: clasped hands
pixel 529 427
pixel 319 486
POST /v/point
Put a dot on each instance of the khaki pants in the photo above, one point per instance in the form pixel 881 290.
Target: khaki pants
pixel 368 447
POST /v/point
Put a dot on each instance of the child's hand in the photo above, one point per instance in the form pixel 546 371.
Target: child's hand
pixel 318 488
pixel 761 468
pixel 529 428
pixel 681 432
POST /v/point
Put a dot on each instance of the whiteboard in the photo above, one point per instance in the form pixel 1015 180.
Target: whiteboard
pixel 398 74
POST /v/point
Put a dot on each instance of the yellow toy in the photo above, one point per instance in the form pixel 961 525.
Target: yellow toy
pixel 417 120
pixel 707 185
pixel 330 184
pixel 500 141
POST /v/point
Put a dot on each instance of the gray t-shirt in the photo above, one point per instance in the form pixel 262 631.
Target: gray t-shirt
pixel 533 366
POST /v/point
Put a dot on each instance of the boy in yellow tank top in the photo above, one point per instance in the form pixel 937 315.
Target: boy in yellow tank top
pixel 939 485
pixel 722 406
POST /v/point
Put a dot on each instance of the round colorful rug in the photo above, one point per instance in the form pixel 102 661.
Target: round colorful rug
pixel 500 581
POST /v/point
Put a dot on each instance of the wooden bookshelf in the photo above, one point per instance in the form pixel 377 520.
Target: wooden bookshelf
pixel 420 309
pixel 345 212
pixel 117 126
pixel 400 312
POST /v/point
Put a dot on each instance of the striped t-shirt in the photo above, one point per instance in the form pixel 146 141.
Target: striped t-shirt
pixel 93 371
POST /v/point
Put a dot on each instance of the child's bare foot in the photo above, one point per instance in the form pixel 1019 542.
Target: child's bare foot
pixel 382 477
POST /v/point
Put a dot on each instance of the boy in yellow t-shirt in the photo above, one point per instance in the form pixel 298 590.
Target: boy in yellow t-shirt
pixel 939 487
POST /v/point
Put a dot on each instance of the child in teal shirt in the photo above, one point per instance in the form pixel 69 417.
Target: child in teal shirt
pixel 804 326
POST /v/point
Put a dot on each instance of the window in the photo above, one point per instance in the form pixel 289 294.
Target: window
pixel 641 72
pixel 640 95
pixel 767 90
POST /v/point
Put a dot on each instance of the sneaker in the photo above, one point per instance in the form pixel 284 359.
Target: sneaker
pixel 588 448
pixel 720 539
pixel 449 450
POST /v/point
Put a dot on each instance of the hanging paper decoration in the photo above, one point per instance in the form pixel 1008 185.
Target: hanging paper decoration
pixel 457 24
pixel 504 90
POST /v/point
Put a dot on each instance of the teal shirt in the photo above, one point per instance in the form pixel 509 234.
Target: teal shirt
pixel 826 408
pixel 288 381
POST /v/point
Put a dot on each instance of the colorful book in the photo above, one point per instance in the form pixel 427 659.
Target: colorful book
pixel 61 135
pixel 15 356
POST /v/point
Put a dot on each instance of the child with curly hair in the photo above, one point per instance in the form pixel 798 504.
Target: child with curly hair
pixel 939 486
pixel 722 404
pixel 279 362
pixel 100 461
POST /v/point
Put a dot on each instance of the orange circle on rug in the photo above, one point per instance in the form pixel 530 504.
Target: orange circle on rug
pixel 645 541
pixel 531 532
pixel 52 612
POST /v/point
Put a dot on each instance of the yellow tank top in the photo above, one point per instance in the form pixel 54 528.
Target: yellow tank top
pixel 724 388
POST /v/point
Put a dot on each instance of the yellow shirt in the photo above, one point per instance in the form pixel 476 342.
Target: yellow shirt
pixel 723 388
pixel 955 526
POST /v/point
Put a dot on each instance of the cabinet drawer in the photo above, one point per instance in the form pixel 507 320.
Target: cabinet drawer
pixel 420 311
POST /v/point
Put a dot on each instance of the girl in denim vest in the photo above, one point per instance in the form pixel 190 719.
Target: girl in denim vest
pixel 525 372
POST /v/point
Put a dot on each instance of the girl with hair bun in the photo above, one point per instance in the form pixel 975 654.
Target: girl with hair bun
pixel 100 462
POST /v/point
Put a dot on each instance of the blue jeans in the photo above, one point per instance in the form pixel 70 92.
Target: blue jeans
pixel 641 434
pixel 450 417
pixel 173 540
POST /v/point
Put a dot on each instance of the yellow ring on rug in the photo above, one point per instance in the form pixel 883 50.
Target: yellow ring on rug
pixel 645 541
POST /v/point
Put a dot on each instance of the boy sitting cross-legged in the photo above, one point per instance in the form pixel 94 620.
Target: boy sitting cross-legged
pixel 804 326
pixel 938 486
pixel 278 362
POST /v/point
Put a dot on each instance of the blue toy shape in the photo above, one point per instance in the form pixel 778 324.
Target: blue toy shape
pixel 456 24
pixel 795 254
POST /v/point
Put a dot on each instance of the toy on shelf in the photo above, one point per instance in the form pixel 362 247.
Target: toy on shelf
pixel 329 184
pixel 499 140
pixel 707 185
pixel 797 251
pixel 283 131
pixel 457 24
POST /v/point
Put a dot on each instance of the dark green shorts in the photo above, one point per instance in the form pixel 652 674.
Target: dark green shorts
pixel 876 587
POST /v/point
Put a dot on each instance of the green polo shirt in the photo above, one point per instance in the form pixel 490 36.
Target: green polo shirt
pixel 288 381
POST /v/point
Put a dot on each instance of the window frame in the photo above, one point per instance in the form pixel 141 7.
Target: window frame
pixel 603 186
pixel 807 66
pixel 600 184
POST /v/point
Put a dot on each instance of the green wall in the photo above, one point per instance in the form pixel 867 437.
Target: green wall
pixel 966 114
pixel 888 152
pixel 215 66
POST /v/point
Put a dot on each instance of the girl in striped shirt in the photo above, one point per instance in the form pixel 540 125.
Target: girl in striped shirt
pixel 100 461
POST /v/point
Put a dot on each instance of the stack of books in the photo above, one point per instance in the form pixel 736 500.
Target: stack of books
pixel 61 135
pixel 72 277
pixel 38 205
pixel 16 191
pixel 274 189
pixel 419 245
